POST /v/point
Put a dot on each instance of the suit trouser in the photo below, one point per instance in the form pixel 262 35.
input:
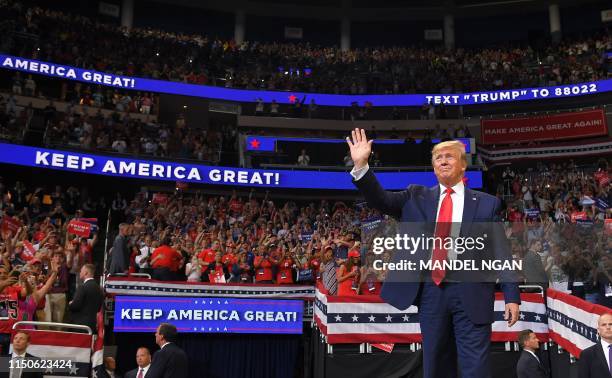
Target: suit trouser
pixel 55 307
pixel 448 333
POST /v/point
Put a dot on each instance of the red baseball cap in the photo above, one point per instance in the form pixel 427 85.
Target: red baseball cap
pixel 354 253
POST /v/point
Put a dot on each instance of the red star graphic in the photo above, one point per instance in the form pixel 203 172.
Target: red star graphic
pixel 292 98
pixel 254 144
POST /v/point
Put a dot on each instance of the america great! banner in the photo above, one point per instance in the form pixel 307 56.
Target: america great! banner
pixel 244 95
pixel 571 125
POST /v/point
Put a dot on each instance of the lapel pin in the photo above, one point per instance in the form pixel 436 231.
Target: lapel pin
pixel 473 198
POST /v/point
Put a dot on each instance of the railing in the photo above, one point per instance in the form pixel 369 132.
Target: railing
pixel 53 325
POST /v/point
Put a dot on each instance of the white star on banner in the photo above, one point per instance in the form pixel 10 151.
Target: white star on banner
pixel 389 317
pixel 406 318
pixel 49 370
pixel 195 328
pixel 210 328
pixel 522 316
pixel 371 317
pixel 226 302
pixel 538 318
pixel 225 328
pixel 94 374
pixel 355 318
pixel 196 302
pixel 338 318
pixel 218 302
pixel 73 369
pixel 202 329
pixel 210 302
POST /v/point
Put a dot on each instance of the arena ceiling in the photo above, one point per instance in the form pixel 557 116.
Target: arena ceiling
pixel 368 10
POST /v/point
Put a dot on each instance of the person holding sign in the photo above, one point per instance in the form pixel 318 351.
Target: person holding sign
pixel 217 271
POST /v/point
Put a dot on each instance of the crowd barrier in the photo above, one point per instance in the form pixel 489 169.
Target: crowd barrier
pixel 64 349
pixel 345 328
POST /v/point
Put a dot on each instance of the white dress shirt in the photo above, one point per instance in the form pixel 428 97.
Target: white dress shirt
pixel 458 198
pixel 533 354
pixel 144 370
pixel 16 372
pixel 605 345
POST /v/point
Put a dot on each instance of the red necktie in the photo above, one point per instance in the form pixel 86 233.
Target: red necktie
pixel 140 371
pixel 443 227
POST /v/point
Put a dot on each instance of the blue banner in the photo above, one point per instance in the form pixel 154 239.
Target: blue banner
pixel 243 95
pixel 208 315
pixel 206 174
pixel 268 143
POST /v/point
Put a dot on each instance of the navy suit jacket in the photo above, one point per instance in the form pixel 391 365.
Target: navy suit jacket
pixel 592 363
pixel 417 206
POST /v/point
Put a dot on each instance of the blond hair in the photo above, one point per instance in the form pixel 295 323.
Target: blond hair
pixel 454 144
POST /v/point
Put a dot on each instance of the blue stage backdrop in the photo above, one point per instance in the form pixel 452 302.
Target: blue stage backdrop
pixel 206 174
pixel 240 95
pixel 208 315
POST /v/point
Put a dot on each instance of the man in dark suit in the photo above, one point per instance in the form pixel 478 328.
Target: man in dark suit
pixel 529 364
pixel 21 341
pixel 169 361
pixel 120 255
pixel 110 365
pixel 596 360
pixel 452 311
pixel 143 360
pixel 87 300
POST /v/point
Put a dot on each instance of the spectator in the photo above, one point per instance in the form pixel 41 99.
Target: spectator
pixel 348 275
pixel 303 160
pixel 328 271
pixel 217 271
pixel 263 266
pixel 56 299
pixel 119 255
pixel 166 262
pixel 193 270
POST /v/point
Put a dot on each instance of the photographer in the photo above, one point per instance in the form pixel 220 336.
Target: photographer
pixel 242 271
pixel 348 275
pixel 217 271
pixel 286 266
pixel 264 264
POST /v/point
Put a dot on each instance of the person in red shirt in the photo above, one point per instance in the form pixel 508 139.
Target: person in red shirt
pixel 263 267
pixel 285 269
pixel 207 256
pixel 217 271
pixel 166 262
pixel 348 275
pixel 10 294
pixel 229 258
